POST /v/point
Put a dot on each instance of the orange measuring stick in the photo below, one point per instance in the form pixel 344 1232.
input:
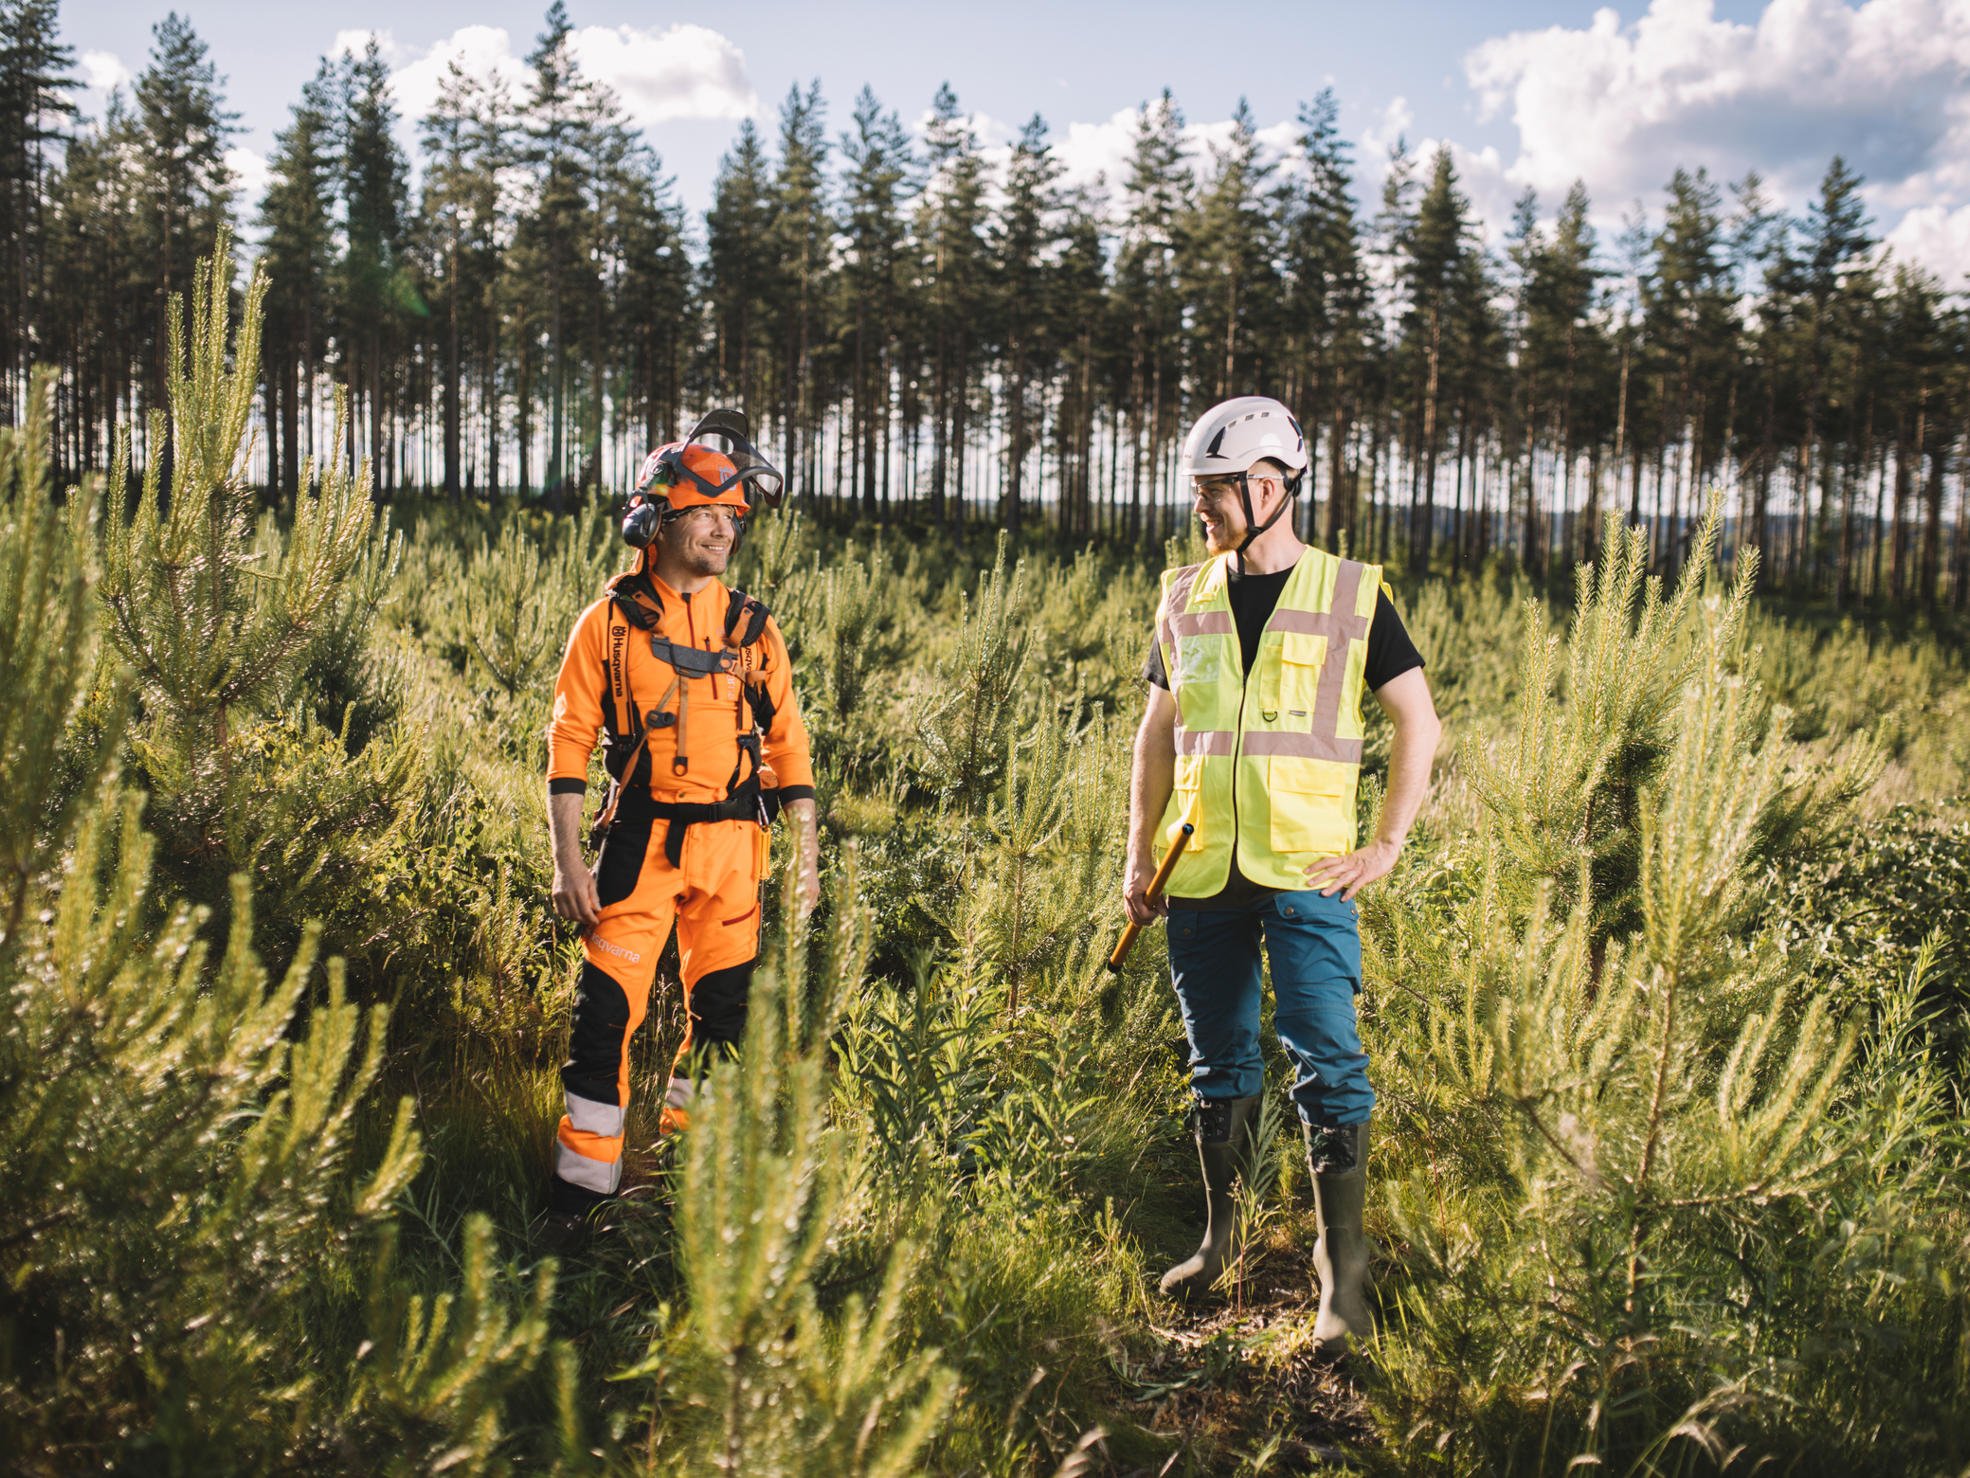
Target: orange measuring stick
pixel 1156 885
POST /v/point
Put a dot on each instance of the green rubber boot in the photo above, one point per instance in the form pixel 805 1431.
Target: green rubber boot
pixel 1338 1158
pixel 1224 1134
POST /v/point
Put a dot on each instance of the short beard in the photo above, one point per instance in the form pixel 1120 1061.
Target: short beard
pixel 1220 542
pixel 696 561
pixel 704 562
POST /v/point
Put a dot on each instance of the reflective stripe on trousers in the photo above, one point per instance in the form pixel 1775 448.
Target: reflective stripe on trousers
pixel 712 900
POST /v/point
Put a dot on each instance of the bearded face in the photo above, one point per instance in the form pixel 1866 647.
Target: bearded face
pixel 1215 502
pixel 1218 508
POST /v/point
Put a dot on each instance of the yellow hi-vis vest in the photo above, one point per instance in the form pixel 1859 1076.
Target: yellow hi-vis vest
pixel 1267 761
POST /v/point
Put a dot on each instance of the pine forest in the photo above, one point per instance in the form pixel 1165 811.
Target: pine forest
pixel 1667 1002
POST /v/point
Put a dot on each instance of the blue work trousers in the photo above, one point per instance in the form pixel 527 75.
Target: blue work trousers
pixel 1314 947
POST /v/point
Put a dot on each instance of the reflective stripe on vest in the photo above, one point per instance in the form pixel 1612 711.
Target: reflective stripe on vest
pixel 1267 762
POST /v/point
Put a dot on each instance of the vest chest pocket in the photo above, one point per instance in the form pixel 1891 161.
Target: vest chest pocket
pixel 1201 662
pixel 1302 655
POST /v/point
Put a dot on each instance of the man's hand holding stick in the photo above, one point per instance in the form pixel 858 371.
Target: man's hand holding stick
pixel 1152 896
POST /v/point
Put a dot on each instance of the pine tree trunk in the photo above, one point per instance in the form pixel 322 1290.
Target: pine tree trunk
pixel 523 417
pixel 1590 518
pixel 1424 501
pixel 1905 469
pixel 959 405
pixel 290 476
pixel 1959 584
pixel 1016 439
pixel 1932 535
pixel 1635 460
pixel 1457 502
pixel 452 443
pixel 1529 533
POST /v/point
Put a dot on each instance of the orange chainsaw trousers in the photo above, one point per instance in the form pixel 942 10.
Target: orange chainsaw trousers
pixel 712 897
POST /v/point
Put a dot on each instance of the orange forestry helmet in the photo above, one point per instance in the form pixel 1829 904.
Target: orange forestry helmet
pixel 688 474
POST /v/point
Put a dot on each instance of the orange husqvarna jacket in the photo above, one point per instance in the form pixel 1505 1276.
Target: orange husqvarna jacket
pixel 674 735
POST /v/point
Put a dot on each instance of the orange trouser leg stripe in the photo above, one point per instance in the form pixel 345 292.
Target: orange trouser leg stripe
pixel 590 1146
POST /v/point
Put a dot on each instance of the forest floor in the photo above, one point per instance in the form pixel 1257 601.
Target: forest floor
pixel 1234 1367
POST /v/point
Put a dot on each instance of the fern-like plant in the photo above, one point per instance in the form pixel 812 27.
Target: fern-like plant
pixel 1623 1108
pixel 964 735
pixel 48 655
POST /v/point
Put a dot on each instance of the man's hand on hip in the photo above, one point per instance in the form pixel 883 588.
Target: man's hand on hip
pixel 1354 871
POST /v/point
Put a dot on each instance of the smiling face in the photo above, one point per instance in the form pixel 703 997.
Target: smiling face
pixel 699 542
pixel 1217 506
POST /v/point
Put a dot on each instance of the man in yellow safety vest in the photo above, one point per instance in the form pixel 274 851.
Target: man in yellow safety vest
pixel 1253 734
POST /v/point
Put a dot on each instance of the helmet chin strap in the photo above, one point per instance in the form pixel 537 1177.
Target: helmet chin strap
pixel 1253 530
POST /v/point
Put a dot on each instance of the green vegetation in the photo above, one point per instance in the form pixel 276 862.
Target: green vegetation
pixel 1665 1004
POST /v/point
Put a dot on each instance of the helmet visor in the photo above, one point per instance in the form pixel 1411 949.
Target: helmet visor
pixel 753 470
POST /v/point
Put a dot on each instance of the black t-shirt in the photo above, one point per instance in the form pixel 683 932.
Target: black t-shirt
pixel 1253 597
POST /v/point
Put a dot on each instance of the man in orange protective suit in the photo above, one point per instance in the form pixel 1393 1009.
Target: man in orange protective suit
pixel 688 683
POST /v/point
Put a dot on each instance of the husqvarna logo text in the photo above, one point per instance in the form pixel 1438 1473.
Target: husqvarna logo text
pixel 615 949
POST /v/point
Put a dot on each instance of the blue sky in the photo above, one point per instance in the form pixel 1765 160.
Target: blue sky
pixel 1526 93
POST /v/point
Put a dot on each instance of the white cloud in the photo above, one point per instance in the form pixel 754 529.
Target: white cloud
pixel 1882 83
pixel 103 71
pixel 1482 174
pixel 1397 119
pixel 684 71
pixel 481 52
pixel 991 134
pixel 1487 183
pixel 681 72
pixel 1938 238
pixel 249 169
pixel 1090 150
pixel 355 42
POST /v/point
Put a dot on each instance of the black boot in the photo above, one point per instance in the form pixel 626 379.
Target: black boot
pixel 1224 1136
pixel 1338 1158
pixel 565 1198
pixel 573 1215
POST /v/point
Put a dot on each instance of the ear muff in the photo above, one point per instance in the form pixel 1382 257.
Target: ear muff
pixel 639 524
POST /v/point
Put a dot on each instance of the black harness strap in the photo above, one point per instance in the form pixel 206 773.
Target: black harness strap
pixel 637 604
pixel 755 614
pixel 642 613
pixel 693 661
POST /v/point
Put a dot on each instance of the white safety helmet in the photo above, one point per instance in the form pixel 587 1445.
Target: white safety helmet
pixel 1234 435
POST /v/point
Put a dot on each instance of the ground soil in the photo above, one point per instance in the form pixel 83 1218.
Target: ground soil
pixel 1235 1381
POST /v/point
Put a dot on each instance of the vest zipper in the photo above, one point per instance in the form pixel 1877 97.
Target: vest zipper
pixel 1237 752
pixel 1238 734
pixel 1244 685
